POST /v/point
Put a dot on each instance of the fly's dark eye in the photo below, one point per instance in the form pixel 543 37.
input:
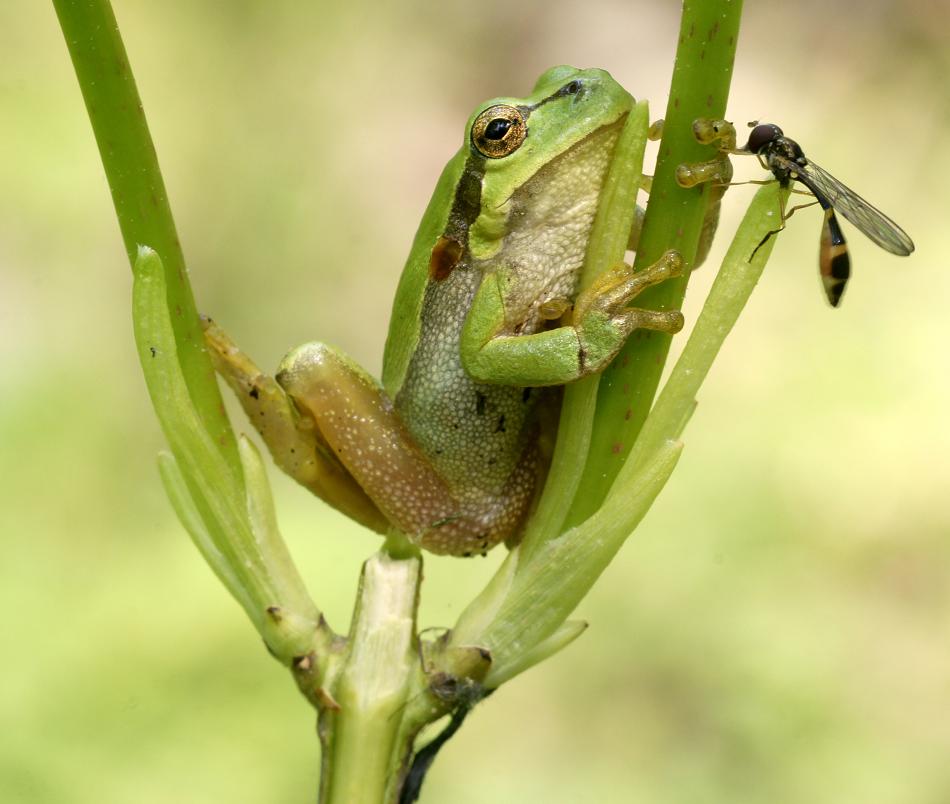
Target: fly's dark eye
pixel 499 131
pixel 497 128
pixel 761 136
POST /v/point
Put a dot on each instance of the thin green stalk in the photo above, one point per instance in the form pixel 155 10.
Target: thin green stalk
pixel 138 192
pixel 700 88
pixel 734 284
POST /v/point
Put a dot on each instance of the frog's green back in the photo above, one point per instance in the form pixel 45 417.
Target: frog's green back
pixel 406 318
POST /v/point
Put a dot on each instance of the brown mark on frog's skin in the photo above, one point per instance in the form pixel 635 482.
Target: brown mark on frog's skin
pixel 445 256
pixel 449 249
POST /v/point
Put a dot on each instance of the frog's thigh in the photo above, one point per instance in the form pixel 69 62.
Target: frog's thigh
pixel 359 422
pixel 293 441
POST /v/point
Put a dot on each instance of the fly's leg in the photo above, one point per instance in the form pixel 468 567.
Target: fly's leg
pixel 785 215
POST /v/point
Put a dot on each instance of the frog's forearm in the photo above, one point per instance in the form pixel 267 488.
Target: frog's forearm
pixel 602 322
pixel 545 358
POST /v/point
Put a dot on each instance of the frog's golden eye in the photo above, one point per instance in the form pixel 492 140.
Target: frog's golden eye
pixel 499 131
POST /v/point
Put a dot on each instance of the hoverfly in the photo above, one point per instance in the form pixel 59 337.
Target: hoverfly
pixel 785 159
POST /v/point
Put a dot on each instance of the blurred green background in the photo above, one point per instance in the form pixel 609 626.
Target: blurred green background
pixel 777 629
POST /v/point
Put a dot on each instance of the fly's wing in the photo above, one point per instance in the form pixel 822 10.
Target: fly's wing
pixel 872 222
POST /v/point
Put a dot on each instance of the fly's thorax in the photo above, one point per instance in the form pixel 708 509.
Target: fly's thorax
pixel 779 153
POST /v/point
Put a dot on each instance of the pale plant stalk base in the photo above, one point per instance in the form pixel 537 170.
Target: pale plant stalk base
pixel 360 732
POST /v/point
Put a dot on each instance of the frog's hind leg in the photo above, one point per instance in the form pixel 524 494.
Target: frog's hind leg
pixel 294 442
pixel 359 422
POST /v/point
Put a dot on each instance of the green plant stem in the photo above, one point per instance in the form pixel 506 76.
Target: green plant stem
pixel 674 218
pixel 138 192
pixel 727 298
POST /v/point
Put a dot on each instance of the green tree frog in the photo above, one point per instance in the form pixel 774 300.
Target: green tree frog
pixel 487 315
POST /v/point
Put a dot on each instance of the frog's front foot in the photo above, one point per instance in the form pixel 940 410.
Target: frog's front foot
pixel 601 313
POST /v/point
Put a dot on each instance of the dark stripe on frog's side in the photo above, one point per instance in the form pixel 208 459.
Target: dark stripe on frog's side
pixel 450 248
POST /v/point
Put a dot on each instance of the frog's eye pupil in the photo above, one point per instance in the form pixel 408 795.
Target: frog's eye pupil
pixel 499 131
pixel 497 128
pixel 573 88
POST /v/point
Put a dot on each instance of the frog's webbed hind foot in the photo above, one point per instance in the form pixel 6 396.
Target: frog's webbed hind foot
pixel 716 173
